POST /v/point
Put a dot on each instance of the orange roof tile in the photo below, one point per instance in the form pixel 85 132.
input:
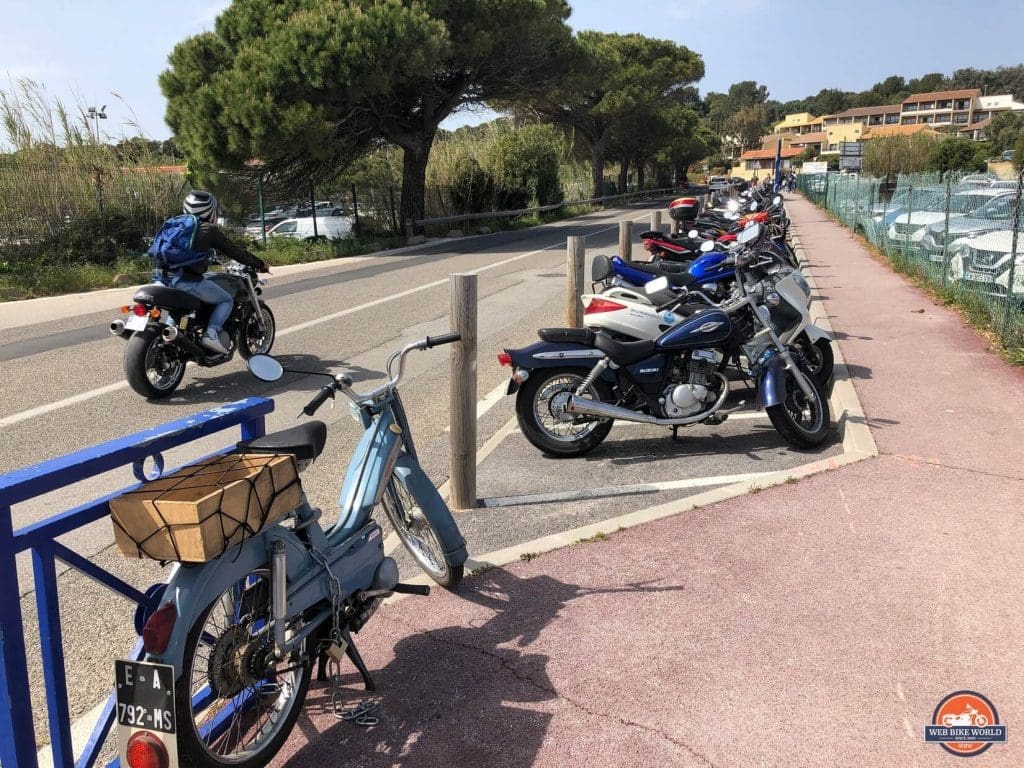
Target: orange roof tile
pixel 964 93
pixel 881 131
pixel 769 154
pixel 810 138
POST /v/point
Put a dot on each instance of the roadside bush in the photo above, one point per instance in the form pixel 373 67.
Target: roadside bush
pixel 956 154
pixel 524 164
pixel 898 154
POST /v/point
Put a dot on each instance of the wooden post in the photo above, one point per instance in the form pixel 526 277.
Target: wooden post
pixel 625 239
pixel 575 250
pixel 656 221
pixel 462 401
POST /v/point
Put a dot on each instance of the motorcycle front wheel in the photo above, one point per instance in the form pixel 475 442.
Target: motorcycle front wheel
pixel 236 706
pixel 253 341
pixel 540 411
pixel 803 422
pixel 418 535
pixel 153 367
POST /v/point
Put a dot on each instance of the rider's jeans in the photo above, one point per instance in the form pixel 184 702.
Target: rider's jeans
pixel 208 292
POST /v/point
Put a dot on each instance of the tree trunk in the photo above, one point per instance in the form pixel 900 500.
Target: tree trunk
pixel 414 178
pixel 623 176
pixel 597 169
pixel 641 173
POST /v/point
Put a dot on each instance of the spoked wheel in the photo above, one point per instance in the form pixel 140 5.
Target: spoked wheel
pixel 818 358
pixel 418 534
pixel 542 415
pixel 236 704
pixel 801 420
pixel 251 339
pixel 153 367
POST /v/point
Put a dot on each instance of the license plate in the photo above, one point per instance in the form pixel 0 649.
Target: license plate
pixel 977 277
pixel 145 695
pixel 136 323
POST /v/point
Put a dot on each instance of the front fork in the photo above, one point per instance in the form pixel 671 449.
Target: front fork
pixel 279 596
pixel 802 381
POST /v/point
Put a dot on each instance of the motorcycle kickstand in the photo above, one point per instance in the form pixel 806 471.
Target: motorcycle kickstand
pixel 353 654
pixel 675 431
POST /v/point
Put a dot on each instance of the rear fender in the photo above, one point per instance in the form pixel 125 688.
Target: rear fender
pixel 548 354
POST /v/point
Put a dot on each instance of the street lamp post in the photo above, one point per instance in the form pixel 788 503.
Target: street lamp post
pixel 96 115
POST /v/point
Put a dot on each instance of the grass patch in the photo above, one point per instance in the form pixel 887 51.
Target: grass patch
pixel 599 536
pixel 31 281
pixel 528 556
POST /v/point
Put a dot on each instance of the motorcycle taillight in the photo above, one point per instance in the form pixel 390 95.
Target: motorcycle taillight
pixel 140 310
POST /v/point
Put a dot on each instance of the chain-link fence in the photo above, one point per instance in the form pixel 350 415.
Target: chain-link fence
pixel 959 233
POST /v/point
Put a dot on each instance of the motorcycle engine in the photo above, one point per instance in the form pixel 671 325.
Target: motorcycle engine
pixel 692 396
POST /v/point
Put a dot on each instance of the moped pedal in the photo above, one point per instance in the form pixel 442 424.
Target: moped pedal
pixel 412 589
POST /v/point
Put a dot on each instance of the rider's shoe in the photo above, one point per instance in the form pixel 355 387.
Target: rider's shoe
pixel 212 343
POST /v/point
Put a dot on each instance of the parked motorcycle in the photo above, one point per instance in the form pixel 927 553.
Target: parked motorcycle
pixel 571 386
pixel 164 327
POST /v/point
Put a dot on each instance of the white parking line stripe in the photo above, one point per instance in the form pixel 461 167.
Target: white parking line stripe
pixel 622 490
pixel 490 400
pixel 100 391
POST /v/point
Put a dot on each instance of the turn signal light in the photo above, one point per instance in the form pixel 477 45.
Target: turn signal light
pixel 140 310
pixel 144 750
pixel 157 632
pixel 125 309
pixel 154 313
pixel 602 305
pixel 504 358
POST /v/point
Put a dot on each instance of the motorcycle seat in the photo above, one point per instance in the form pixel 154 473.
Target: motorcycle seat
pixel 560 335
pixel 625 352
pixel 305 441
pixel 676 272
pixel 157 295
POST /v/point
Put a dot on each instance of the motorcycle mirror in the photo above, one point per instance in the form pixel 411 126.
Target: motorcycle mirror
pixel 749 234
pixel 657 285
pixel 777 200
pixel 693 234
pixel 265 368
pixel 707 246
pixel 733 206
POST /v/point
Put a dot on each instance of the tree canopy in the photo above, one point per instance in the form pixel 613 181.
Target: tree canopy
pixel 610 79
pixel 307 86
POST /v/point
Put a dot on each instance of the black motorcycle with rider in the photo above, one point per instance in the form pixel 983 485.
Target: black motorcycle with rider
pixel 189 313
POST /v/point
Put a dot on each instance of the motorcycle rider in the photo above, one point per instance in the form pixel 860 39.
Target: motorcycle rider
pixel 191 278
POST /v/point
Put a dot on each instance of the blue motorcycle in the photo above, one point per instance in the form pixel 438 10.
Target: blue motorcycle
pixel 235 638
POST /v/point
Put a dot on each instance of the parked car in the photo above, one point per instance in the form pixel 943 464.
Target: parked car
pixel 984 262
pixel 255 229
pixel 996 214
pixel 327 227
pixel 981 179
pixel 1007 156
pixel 909 228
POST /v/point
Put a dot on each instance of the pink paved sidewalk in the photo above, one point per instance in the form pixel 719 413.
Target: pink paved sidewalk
pixel 815 624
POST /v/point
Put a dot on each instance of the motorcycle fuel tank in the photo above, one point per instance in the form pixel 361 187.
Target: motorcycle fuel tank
pixel 704 328
pixel 228 282
pixel 711 267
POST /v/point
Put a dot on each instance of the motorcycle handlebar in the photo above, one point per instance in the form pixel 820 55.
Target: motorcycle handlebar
pixel 446 338
pixel 326 391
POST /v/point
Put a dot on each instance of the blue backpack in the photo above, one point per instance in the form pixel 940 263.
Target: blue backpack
pixel 174 245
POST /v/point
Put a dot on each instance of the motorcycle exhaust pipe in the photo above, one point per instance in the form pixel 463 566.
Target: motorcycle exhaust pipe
pixel 117 328
pixel 587 407
pixel 169 334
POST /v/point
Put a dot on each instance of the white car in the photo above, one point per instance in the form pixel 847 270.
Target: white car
pixel 327 227
pixel 911 227
pixel 984 262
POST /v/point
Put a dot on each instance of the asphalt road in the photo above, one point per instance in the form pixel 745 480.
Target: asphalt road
pixel 64 390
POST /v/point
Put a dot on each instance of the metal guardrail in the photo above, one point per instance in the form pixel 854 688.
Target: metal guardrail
pixel 17 732
pixel 417 223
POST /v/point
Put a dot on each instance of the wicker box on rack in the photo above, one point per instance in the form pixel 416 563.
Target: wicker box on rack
pixel 197 513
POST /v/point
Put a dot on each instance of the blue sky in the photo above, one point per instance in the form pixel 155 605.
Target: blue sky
pixel 86 51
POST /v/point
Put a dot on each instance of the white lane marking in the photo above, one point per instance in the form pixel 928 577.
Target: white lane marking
pixel 100 391
pixel 622 490
pixel 42 409
pixel 490 400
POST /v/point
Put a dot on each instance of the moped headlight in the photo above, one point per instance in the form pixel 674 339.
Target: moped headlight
pixel 355 412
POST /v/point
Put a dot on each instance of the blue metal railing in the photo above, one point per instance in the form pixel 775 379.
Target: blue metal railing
pixel 17 733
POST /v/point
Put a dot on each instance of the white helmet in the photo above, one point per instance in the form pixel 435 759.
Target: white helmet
pixel 202 205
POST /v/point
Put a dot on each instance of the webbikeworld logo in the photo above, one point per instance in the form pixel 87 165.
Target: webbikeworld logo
pixel 966 724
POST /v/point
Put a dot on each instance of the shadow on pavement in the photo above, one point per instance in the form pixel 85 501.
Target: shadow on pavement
pixel 470 694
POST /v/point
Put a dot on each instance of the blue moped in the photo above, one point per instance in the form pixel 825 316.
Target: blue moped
pixel 236 637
